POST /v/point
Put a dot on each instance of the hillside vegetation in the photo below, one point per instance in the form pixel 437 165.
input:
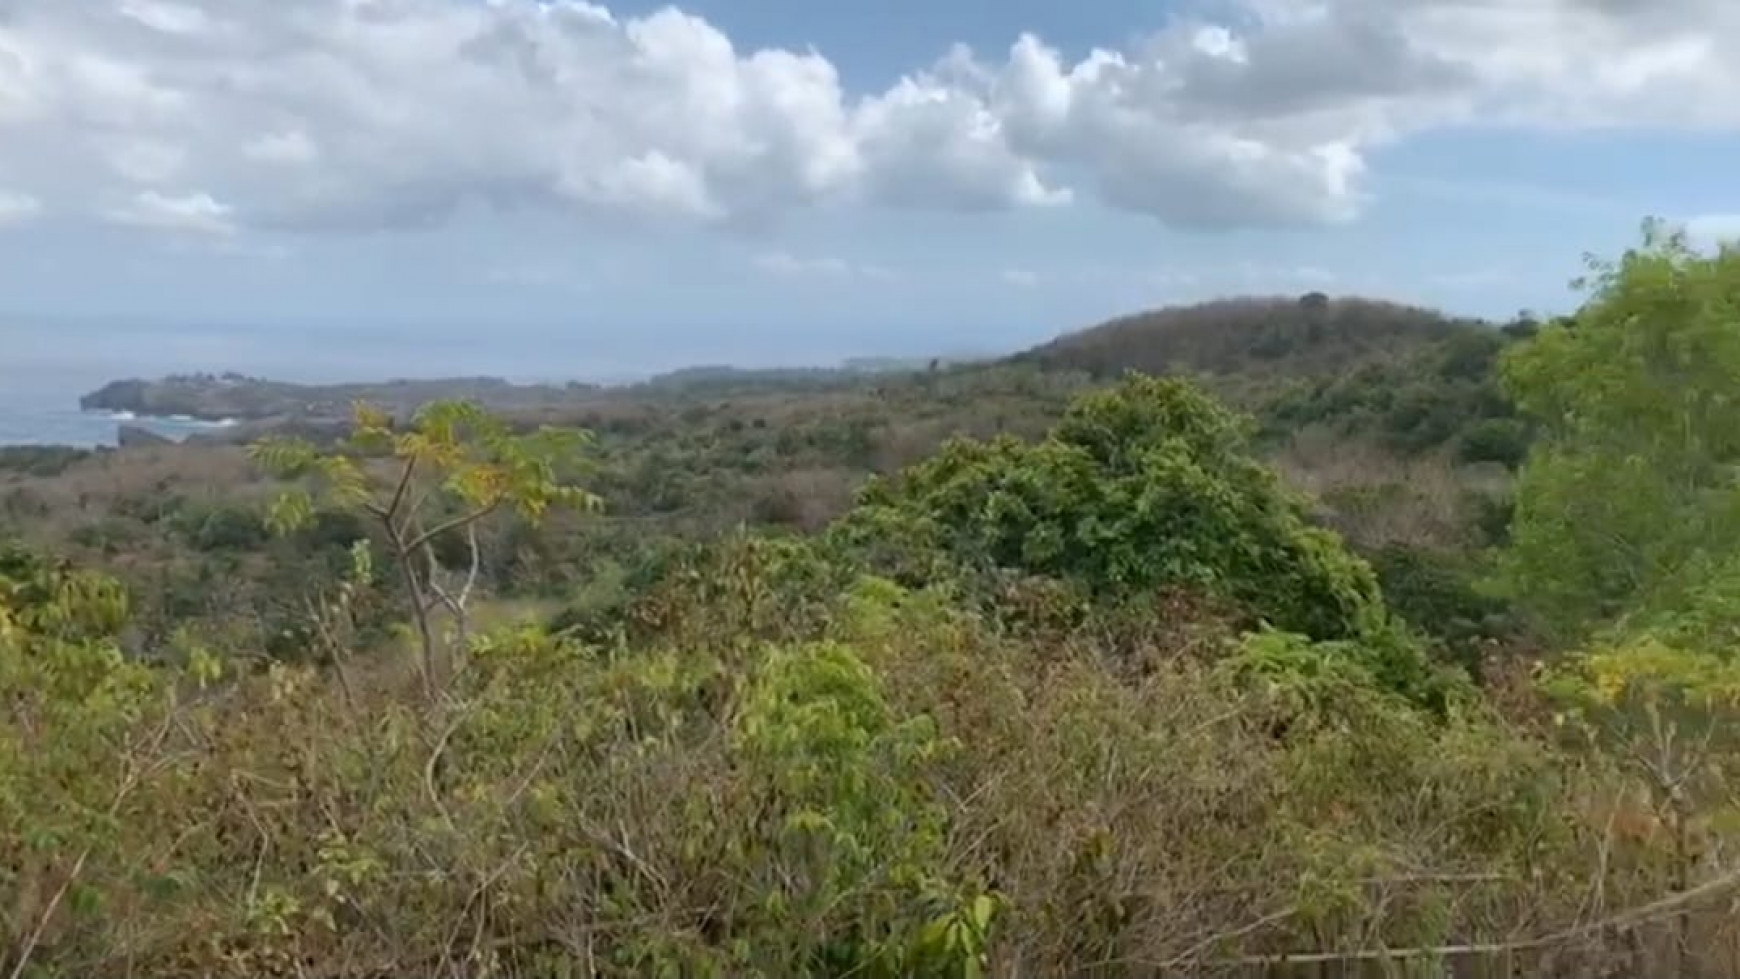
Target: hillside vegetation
pixel 993 670
pixel 1312 334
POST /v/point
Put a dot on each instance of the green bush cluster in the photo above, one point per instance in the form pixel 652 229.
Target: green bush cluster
pixel 1445 395
pixel 1139 487
pixel 903 791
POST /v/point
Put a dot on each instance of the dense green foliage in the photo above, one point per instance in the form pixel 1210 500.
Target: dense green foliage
pixel 1632 492
pixel 1145 486
pixel 1079 682
pixel 1446 393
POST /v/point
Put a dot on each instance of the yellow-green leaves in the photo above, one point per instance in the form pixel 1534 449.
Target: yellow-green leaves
pixel 75 738
pixel 286 458
pixel 957 943
pixel 289 512
pixel 204 667
pixel 426 482
pixel 371 428
pixel 451 464
pixel 1647 673
pixel 1632 477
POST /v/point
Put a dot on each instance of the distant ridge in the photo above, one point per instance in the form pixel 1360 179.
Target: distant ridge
pixel 1242 339
pixel 1287 336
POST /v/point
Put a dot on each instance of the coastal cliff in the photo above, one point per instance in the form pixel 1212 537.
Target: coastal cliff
pixel 220 397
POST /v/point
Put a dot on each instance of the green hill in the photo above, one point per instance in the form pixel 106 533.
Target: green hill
pixel 1308 335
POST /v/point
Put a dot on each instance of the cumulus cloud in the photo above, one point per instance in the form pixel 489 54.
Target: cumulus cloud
pixel 17 208
pixel 196 214
pixel 211 115
pixel 1705 230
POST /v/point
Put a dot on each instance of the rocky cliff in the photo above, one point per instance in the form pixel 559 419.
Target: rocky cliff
pixel 209 397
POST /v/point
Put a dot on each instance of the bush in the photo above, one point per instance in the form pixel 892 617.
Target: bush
pixel 1439 593
pixel 910 794
pixel 221 527
pixel 1145 486
pixel 1501 440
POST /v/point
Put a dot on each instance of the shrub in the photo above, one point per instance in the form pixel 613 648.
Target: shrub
pixel 1440 594
pixel 1501 440
pixel 1144 486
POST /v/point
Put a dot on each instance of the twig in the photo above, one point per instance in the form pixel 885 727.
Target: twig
pixel 453 524
pixel 434 761
pixel 128 783
pixel 1655 910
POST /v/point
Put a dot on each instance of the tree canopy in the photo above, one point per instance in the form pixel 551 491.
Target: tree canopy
pixel 1632 488
pixel 1145 486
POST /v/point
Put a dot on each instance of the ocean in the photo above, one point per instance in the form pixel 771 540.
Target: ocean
pixel 46 365
pixel 33 412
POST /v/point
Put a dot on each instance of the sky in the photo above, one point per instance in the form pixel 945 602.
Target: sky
pixel 564 189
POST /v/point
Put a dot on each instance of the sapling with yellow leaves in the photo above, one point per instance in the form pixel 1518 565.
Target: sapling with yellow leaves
pixel 451 466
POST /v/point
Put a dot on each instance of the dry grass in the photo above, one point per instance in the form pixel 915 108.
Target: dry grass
pixel 1373 498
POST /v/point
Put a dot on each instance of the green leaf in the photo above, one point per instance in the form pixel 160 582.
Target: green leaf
pixel 290 511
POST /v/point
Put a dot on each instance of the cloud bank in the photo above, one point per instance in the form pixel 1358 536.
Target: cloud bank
pixel 210 117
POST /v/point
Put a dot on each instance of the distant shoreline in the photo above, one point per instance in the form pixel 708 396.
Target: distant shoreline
pixel 234 399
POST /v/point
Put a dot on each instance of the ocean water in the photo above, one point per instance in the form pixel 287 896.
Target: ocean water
pixel 46 366
pixel 54 418
pixel 42 408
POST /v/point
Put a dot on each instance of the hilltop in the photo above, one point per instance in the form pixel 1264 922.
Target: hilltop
pixel 1312 334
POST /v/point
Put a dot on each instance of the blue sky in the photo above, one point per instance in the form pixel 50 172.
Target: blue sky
pixel 551 189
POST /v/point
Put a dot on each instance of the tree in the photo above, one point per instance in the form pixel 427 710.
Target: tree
pixel 436 478
pixel 1627 517
pixel 1143 486
pixel 1633 477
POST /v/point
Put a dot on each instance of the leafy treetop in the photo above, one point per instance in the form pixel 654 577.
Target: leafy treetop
pixel 1632 489
pixel 1146 485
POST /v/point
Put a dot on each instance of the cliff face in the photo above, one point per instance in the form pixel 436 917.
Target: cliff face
pixel 116 396
pixel 203 397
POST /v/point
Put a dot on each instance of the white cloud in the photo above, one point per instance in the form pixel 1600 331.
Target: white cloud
pixel 168 18
pixel 146 161
pixel 322 114
pixel 191 213
pixel 1019 278
pixel 17 208
pixel 787 265
pixel 1710 230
